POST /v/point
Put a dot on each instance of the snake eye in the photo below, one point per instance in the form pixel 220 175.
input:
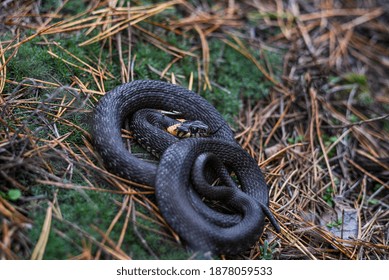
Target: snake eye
pixel 198 129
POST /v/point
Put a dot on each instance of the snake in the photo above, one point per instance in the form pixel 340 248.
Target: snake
pixel 183 178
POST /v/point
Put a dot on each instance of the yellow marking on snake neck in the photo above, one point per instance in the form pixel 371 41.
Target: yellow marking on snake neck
pixel 173 129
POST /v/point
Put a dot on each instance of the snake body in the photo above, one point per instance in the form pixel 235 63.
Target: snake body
pixel 179 200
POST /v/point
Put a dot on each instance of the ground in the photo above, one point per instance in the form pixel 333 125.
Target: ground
pixel 302 83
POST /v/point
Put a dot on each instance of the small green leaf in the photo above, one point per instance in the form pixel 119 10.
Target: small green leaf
pixel 327 196
pixel 335 224
pixel 373 201
pixel 14 194
pixel 353 118
pixel 295 140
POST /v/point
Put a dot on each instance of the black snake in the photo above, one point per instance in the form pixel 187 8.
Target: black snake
pixel 182 177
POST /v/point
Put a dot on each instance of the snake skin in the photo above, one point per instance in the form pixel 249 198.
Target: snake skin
pixel 200 226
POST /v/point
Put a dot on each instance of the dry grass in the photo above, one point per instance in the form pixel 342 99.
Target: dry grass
pixel 321 136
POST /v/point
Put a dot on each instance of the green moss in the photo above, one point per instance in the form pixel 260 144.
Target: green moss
pixel 71 7
pixel 79 208
pixel 236 78
pixel 86 210
pixel 355 78
pixel 33 60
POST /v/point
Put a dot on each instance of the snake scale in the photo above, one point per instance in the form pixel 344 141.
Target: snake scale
pixel 182 177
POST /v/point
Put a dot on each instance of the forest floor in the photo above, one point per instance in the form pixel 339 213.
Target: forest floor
pixel 304 85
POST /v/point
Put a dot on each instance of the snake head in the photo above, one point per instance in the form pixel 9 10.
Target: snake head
pixel 192 129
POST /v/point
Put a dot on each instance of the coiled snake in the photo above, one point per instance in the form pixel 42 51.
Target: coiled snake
pixel 182 179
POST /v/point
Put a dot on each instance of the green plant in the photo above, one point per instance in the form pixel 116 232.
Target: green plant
pixel 353 118
pixel 335 224
pixel 297 139
pixel 327 196
pixel 328 141
pixel 12 194
pixel 355 78
pixel 267 251
pixel 373 201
